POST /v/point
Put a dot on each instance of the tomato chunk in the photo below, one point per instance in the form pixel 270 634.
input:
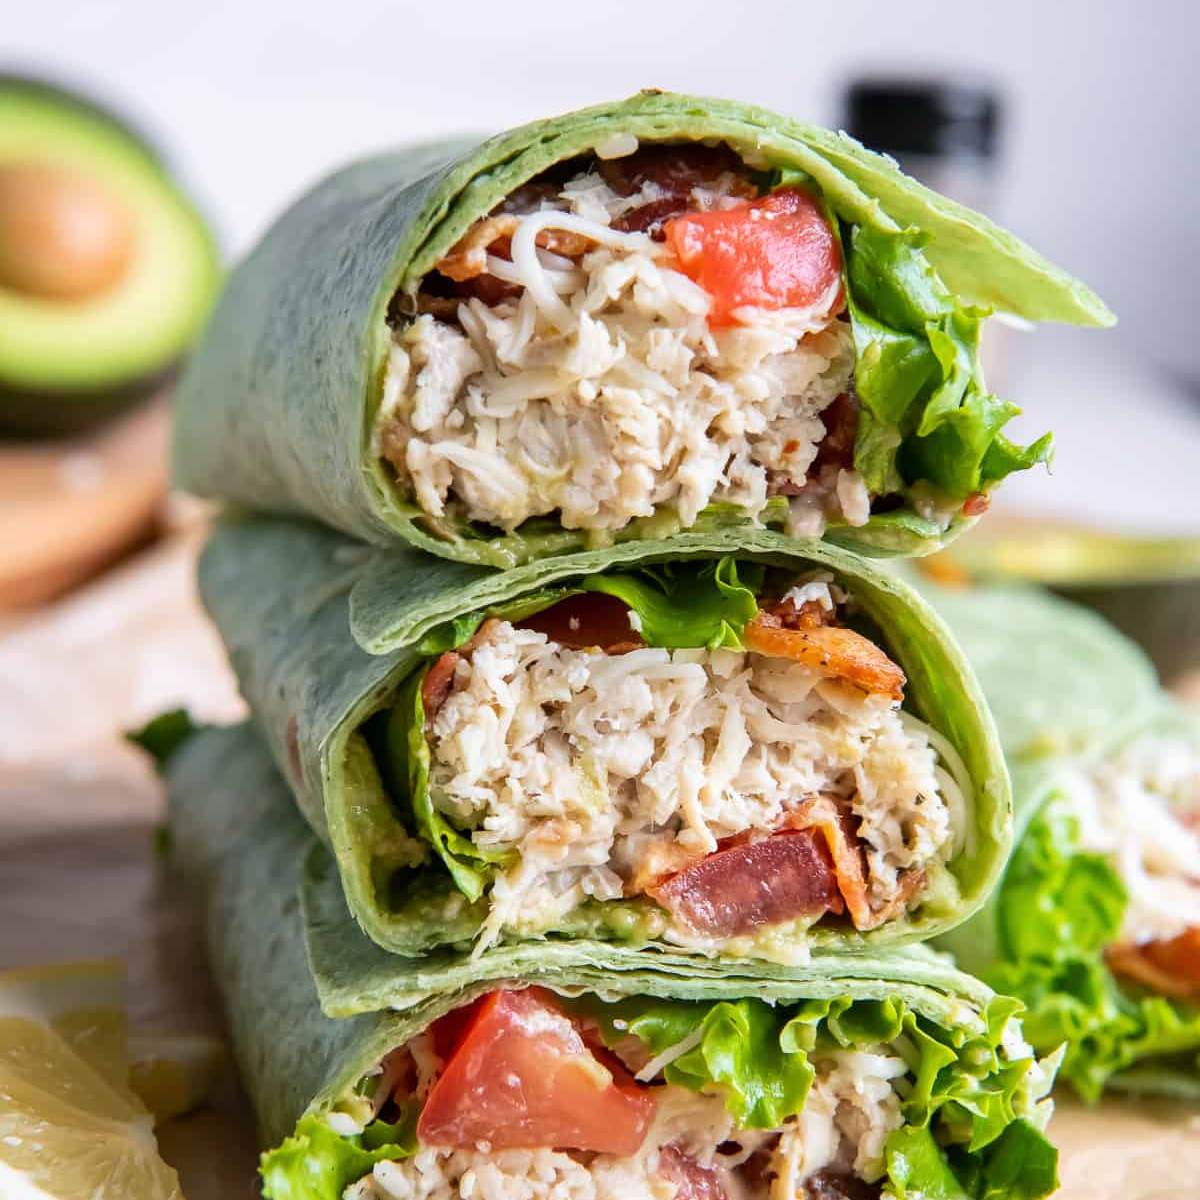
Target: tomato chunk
pixel 1169 966
pixel 520 1076
pixel 591 620
pixel 692 1179
pixel 778 252
pixel 734 891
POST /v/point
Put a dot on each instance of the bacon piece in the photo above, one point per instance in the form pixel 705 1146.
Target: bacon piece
pixel 468 258
pixel 976 504
pixel 676 170
pixel 493 235
pixel 831 650
pixel 438 681
pixel 836 448
pixel 840 831
pixel 1168 966
pixel 588 621
pixel 650 218
pixel 831 1184
pixel 809 615
pixel 692 1179
pixel 736 890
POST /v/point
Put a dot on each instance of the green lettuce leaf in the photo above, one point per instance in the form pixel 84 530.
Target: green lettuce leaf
pixel 738 1050
pixel 688 604
pixel 407 770
pixel 917 1169
pixel 925 414
pixel 965 1101
pixel 1057 910
pixel 163 735
pixel 318 1164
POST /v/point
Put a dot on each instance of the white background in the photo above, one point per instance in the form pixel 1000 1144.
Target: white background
pixel 1101 162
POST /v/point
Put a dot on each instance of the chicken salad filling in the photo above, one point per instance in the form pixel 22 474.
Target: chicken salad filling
pixel 1099 917
pixel 527 1094
pixel 674 332
pixel 745 777
pixel 1140 810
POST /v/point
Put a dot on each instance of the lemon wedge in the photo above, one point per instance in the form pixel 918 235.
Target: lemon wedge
pixel 70 1127
pixel 174 1073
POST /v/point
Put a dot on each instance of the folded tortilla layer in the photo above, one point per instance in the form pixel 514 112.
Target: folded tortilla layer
pixel 289 598
pixel 277 409
pixel 238 841
pixel 1070 696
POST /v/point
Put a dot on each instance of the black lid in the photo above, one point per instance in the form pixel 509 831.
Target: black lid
pixel 913 115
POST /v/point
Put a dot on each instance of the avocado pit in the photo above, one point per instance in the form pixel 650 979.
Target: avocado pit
pixel 63 236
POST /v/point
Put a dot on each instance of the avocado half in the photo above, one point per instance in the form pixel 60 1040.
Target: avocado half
pixel 107 271
pixel 1148 587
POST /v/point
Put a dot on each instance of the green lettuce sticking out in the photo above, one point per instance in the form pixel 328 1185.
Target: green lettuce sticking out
pixel 318 1164
pixel 972 1118
pixel 983 1108
pixel 925 414
pixel 1055 964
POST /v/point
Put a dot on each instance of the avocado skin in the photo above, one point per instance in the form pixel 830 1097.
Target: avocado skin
pixel 31 412
pixel 29 415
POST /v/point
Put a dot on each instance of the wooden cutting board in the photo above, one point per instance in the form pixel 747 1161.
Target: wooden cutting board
pixel 72 506
pixel 79 877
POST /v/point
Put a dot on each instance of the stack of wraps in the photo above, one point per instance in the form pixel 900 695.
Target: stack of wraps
pixel 630 783
pixel 1096 924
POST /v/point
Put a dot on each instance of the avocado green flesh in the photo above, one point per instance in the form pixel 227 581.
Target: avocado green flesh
pixel 65 364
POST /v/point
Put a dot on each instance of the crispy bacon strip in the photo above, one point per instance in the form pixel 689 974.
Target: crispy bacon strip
pixel 591 620
pixel 832 1184
pixel 831 650
pixel 737 890
pixel 468 258
pixel 438 681
pixel 1168 966
pixel 692 1179
pixel 845 850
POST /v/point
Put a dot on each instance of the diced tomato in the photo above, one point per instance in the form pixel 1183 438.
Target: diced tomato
pixel 590 620
pixel 1178 956
pixel 1170 966
pixel 736 890
pixel 778 252
pixel 692 1179
pixel 520 1075
pixel 976 504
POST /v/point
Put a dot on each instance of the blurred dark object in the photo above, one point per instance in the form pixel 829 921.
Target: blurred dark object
pixel 1149 588
pixel 942 131
pixel 107 270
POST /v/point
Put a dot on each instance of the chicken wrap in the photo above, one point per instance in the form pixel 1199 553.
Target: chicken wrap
pixel 659 314
pixel 732 743
pixel 581 1083
pixel 1096 925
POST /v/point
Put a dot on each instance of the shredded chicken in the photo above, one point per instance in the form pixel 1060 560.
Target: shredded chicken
pixel 572 371
pixel 608 773
pixel 1137 807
